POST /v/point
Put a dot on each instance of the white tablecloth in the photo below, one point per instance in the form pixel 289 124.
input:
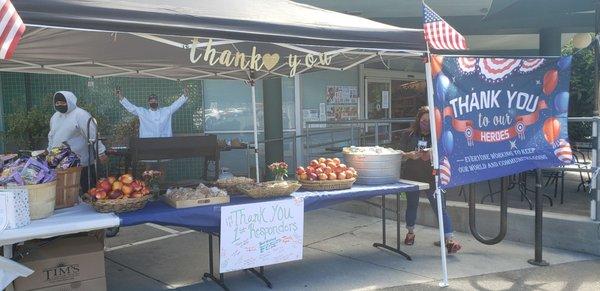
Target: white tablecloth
pixel 75 219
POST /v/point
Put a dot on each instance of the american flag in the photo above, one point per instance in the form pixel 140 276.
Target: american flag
pixel 439 34
pixel 12 28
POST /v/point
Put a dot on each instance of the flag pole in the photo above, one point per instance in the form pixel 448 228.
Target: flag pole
pixel 436 167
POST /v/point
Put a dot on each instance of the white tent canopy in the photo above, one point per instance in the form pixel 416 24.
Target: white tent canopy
pixel 154 38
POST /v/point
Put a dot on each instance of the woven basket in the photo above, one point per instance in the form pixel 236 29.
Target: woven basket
pixel 327 185
pixel 231 188
pixel 67 187
pixel 41 199
pixel 270 189
pixel 118 205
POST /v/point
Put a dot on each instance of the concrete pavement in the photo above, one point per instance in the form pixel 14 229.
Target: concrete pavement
pixel 337 256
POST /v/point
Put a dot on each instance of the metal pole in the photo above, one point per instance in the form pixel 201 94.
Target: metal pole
pixel 376 133
pixel 539 209
pixel 255 132
pixel 438 192
pixel 594 204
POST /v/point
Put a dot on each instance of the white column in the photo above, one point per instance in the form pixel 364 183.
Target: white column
pixel 255 123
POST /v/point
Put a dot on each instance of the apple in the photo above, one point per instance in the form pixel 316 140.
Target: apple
pixel 111 179
pixel 136 185
pixel 136 195
pixel 352 169
pixel 99 182
pixel 331 165
pixel 310 170
pixel 303 176
pixel 115 194
pixel 319 171
pixel 127 189
pixel 333 176
pixel 300 170
pixel 349 174
pixel 328 170
pixel 336 161
pixel 314 163
pixel 341 176
pixel 338 170
pixel 126 179
pixel 328 160
pixel 313 176
pixel 145 191
pixel 323 176
pixel 322 166
pixel 322 160
pixel 117 185
pixel 100 194
pixel 105 185
pixel 343 166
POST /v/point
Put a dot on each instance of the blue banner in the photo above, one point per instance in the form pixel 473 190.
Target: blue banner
pixel 497 116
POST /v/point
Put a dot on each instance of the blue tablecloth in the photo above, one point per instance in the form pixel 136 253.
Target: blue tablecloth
pixel 208 218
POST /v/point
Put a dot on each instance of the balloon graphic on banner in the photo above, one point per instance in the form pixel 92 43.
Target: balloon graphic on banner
pixel 561 102
pixel 563 151
pixel 441 86
pixel 564 63
pixel 437 62
pixel 551 129
pixel 438 123
pixel 550 81
pixel 448 142
pixel 445 171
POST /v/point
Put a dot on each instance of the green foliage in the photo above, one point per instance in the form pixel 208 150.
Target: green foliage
pixel 581 91
pixel 28 128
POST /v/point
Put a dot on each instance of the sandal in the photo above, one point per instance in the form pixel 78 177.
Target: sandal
pixel 409 240
pixel 453 247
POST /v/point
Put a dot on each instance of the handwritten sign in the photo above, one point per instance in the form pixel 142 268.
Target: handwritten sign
pixel 261 234
pixel 254 60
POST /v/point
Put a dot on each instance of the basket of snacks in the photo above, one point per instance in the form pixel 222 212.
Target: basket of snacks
pixel 270 189
pixel 118 195
pixel 185 197
pixel 231 184
pixel 325 175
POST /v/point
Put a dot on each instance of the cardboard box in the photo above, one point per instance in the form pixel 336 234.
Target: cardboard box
pixel 64 264
pixel 98 284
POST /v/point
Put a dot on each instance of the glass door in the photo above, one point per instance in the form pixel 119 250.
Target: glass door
pixel 378 107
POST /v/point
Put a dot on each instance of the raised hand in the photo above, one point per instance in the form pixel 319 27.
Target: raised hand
pixel 118 92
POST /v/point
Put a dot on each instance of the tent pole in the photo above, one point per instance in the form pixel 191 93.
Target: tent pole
pixel 434 150
pixel 255 131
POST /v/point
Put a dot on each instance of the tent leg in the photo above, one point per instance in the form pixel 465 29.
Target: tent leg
pixel 255 132
pixel 438 196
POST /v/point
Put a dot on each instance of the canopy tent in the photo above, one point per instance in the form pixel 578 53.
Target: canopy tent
pixel 154 38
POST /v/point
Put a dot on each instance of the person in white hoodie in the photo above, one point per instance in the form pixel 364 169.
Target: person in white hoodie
pixel 69 124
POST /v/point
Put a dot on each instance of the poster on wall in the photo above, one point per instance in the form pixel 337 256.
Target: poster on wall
pixel 342 103
pixel 497 116
pixel 261 234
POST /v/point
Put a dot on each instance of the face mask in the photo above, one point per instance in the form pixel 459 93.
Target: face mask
pixel 153 105
pixel 61 108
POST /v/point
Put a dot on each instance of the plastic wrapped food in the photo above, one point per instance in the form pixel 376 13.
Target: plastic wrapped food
pixel 34 172
pixel 56 155
pixel 27 171
pixel 70 161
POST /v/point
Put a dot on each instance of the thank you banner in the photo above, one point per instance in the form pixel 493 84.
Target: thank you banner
pixel 499 116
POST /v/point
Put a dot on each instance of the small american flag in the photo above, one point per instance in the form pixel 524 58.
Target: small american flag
pixel 439 34
pixel 11 27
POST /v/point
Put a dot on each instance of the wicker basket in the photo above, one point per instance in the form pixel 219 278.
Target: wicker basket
pixel 327 185
pixel 41 199
pixel 67 187
pixel 270 189
pixel 118 205
pixel 232 188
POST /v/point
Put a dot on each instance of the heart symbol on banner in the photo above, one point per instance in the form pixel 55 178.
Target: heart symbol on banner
pixel 270 60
